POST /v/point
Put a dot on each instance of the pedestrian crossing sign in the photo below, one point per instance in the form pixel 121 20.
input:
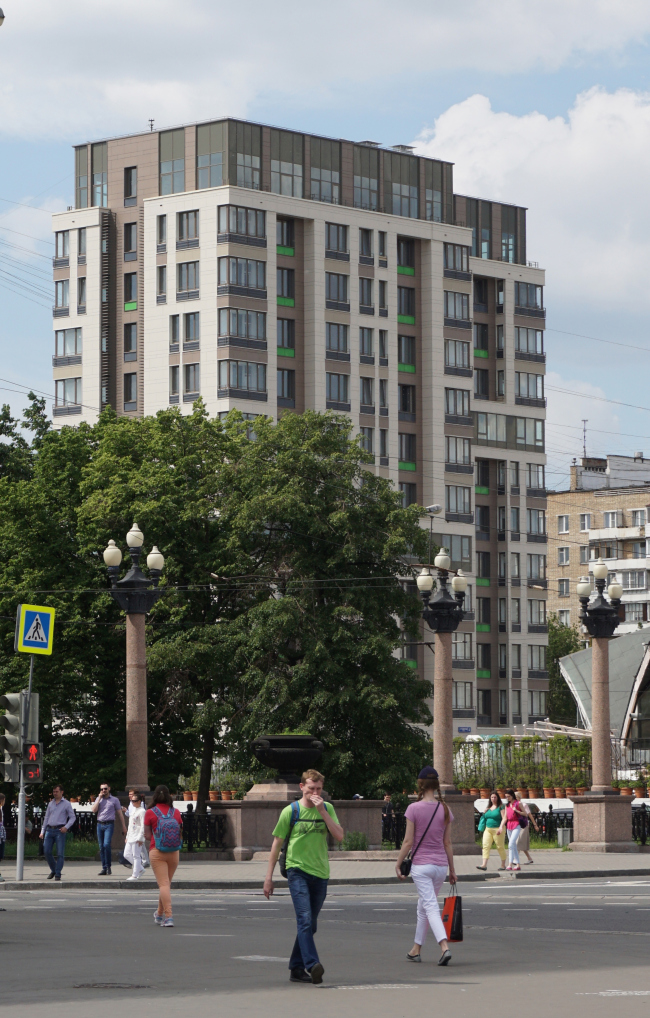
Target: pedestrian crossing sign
pixel 34 629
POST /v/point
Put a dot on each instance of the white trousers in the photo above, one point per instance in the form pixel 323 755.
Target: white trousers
pixel 133 854
pixel 513 846
pixel 428 879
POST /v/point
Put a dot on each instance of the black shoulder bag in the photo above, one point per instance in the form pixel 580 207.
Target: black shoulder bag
pixel 405 867
pixel 295 816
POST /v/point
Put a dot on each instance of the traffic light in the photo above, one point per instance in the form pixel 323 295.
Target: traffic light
pixel 11 741
pixel 33 763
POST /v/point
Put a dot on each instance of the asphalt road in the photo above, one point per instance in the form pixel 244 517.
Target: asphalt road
pixel 563 947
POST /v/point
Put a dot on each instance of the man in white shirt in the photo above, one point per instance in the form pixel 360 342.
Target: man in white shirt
pixel 135 836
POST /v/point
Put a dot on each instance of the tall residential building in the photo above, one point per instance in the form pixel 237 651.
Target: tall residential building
pixel 602 515
pixel 275 271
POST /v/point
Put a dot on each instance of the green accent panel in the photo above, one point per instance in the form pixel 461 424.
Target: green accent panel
pixel 481 490
pixel 285 250
pixel 481 353
pixel 131 305
pixel 410 662
pixel 482 581
pixel 405 270
pixel 406 465
pixel 286 302
pixel 406 367
pixel 285 351
pixel 483 673
pixel 482 627
pixel 406 319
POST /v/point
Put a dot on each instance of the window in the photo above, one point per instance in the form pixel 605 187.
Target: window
pixel 366 390
pixel 634 580
pixel 563 524
pixel 99 157
pixel 68 391
pixel 530 432
pixel 457 402
pixel 81 176
pixel 408 493
pixel 458 498
pixel 528 295
pixel 242 324
pixel 457 257
pixel 192 378
pixel 336 238
pixel 383 343
pixel 456 353
pixel 130 181
pixel 515 525
pixel 383 291
pixel 62 293
pixel 130 238
pixel 173 380
pixel 191 328
pixel 460 551
pixel 483 474
pixel 245 144
pixel 401 174
pixel 515 564
pixel 405 253
pixel 286 333
pixel 529 340
pixel 286 384
pixel 62 244
pixel 563 556
pixel 161 280
pixel 481 383
pixel 514 473
pixel 383 442
pixel 638 517
pixel 457 305
pixel 81 291
pixel 188 276
pixel 503 616
pixel 244 272
pixel 537 703
pixel 367 439
pixel 325 170
pixel 130 338
pixel 172 161
pixel 365 342
pixel 483 519
pixel 365 292
pixel 210 148
pixel 483 655
pixel 130 391
pixel 245 222
pixel 433 190
pixel 336 337
pixel 611 519
pixel 174 330
pixel 187 227
pixel 406 301
pixel 634 611
pixel 500 343
pixel 483 610
pixel 244 375
pixel 515 611
pixel 337 387
pixel 536 613
pixel 462 697
pixel 457 450
pixel 383 392
pixel 161 230
pixel 286 163
pixel 81 242
pixel 480 337
pixel 483 564
pixel 366 175
pixel 406 399
pixel 285 235
pixel 535 476
pixel 67 342
pixel 365 243
pixel 491 427
pixel 535 521
pixel 515 658
pixel 638 549
pixel 336 287
pixel 536 567
pixel 405 351
pixel 529 385
pixel 381 243
pixel 584 554
pixel 508 234
pixel 484 708
pixel 406 448
pixel 564 616
pixel 501 383
pixel 502 565
pixel 130 287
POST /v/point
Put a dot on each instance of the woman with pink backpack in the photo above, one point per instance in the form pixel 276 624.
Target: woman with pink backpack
pixel 163 826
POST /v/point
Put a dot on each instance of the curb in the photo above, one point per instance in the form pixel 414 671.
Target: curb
pixel 198 885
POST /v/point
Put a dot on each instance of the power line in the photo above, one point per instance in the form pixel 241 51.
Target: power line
pixel 597 339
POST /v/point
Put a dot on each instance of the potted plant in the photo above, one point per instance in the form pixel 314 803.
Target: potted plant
pixel 639 788
pixel 484 787
pixel 225 795
pixel 187 795
pixel 581 789
pixel 214 794
pixel 616 785
pixel 559 789
pixel 501 792
pixel 464 789
pixel 533 792
pixel 569 791
pixel 625 787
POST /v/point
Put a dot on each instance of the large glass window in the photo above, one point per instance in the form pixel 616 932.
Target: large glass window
pixel 456 353
pixel 285 283
pixel 457 402
pixel 536 567
pixel 242 375
pixel 67 342
pixel 535 476
pixel 172 161
pixel 188 225
pixel 529 385
pixel 457 257
pixel 537 703
pixel 242 221
pixel 130 182
pixel 62 293
pixel 529 432
pixel 458 498
pixel 405 253
pixel 461 647
pixel 130 287
pixel 535 521
pixel 336 287
pixel 367 391
pixel 408 492
pixel 286 334
pixel 528 295
pixel 337 387
pixel 462 691
pixel 365 292
pixel 366 346
pixel 433 191
pixel 406 301
pixel 536 612
pixel 458 450
pixel 191 327
pixel 406 398
pixel 406 352
pixel 508 234
pixel 245 147
pixel 68 391
pixel 457 305
pixel 243 272
pixel 187 276
pixel 131 338
pixel 100 174
pixel 210 148
pixel 325 170
pixel 401 184
pixel 131 391
pixel 286 384
pixel 130 238
pixel 366 177
pixel 192 378
pixel 242 324
pixel 367 438
pixel 286 163
pixel 529 340
pixel 81 176
pixel 62 244
pixel 406 448
pixel 336 337
pixel 336 238
pixel 81 292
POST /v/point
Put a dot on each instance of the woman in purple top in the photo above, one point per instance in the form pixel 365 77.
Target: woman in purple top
pixel 428 826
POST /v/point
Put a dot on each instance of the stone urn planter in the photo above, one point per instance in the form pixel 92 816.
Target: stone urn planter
pixel 289 755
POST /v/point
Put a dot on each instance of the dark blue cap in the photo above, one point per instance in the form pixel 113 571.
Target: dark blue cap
pixel 427 772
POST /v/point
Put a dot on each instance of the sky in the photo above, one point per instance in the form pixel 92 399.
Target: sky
pixel 542 104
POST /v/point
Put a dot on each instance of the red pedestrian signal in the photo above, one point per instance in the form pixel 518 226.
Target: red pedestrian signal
pixel 33 763
pixel 32 755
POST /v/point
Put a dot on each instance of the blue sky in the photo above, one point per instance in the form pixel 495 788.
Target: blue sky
pixel 543 104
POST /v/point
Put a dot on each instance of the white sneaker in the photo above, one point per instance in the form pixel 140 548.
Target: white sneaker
pixel 158 919
pixel 133 878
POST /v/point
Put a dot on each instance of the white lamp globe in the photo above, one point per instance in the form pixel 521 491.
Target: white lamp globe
pixel 615 591
pixel 459 582
pixel 155 559
pixel 135 537
pixel 600 570
pixel 583 586
pixel 424 580
pixel 112 554
pixel 442 560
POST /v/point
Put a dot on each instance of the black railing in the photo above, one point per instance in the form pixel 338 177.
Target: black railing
pixel 393 828
pixel 548 823
pixel 204 832
pixel 641 823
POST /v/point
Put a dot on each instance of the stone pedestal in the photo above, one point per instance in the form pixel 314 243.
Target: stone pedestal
pixel 463 837
pixel 274 791
pixel 602 823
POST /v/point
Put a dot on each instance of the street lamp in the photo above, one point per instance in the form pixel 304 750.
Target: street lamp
pixel 2 16
pixel 442 613
pixel 136 595
pixel 600 619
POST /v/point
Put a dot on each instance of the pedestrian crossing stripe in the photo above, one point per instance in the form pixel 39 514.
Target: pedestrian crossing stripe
pixel 34 629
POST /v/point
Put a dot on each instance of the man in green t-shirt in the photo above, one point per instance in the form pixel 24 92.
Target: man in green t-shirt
pixel 308 870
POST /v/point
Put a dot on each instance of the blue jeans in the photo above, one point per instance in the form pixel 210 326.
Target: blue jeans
pixel 104 837
pixel 308 894
pixel 55 834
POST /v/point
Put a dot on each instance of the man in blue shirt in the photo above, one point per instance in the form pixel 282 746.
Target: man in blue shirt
pixel 108 808
pixel 59 818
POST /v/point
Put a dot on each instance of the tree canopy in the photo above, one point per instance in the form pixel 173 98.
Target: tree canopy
pixel 562 640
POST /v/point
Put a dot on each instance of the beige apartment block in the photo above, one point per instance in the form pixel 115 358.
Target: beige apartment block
pixel 603 515
pixel 272 271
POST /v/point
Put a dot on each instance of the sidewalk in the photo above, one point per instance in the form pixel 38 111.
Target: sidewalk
pixel 549 863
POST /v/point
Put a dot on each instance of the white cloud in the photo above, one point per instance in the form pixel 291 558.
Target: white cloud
pixel 75 68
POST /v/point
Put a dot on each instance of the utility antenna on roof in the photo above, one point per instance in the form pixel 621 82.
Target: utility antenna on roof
pixel 151 123
pixel 584 436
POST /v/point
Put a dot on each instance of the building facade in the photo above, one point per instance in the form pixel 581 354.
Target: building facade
pixel 603 515
pixel 274 271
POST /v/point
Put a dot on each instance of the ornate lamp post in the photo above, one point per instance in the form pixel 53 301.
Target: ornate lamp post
pixel 442 613
pixel 600 619
pixel 136 595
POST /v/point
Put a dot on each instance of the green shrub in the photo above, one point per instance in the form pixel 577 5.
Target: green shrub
pixel 354 841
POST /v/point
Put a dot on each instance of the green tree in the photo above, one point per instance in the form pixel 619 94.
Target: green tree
pixel 562 640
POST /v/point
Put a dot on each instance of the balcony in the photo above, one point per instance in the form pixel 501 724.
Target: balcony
pixel 459 517
pixel 339 256
pixel 253 344
pixel 537 538
pixel 61 312
pixel 462 664
pixel 537 674
pixel 530 401
pixel 459 468
pixel 458 419
pixel 60 263
pixel 331 404
pixel 531 312
pixel 236 291
pixel 539 358
pixel 183 245
pixel 456 323
pixel 366 309
pixel 367 409
pixel 463 712
pixel 242 394
pixel 186 295
pixel 64 362
pixel 536 492
pixel 457 274
pixel 463 372
pixel 532 628
pixel 239 238
pixel 365 358
pixel 66 411
pixel 333 305
pixel 366 260
pixel 336 355
pixel 617 534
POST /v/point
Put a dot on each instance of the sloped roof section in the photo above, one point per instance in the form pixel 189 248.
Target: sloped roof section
pixel 626 654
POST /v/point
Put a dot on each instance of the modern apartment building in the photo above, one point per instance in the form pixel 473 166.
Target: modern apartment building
pixel 275 271
pixel 602 515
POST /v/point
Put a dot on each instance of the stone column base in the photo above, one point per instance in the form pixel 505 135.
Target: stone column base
pixel 602 823
pixel 274 791
pixel 462 829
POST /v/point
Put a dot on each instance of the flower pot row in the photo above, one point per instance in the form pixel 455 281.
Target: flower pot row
pixel 214 795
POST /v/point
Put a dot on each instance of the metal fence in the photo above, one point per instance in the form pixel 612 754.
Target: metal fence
pixel 204 832
pixel 393 828
pixel 641 823
pixel 548 823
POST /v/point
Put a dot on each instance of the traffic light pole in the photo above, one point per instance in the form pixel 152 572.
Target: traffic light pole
pixel 20 841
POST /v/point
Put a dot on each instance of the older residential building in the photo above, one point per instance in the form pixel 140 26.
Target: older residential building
pixel 274 271
pixel 602 515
